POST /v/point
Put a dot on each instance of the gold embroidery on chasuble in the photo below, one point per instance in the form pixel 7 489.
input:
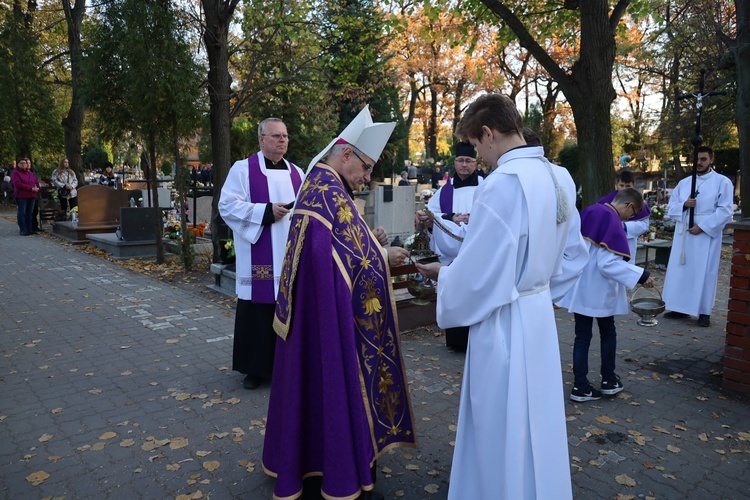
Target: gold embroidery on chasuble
pixel 362 264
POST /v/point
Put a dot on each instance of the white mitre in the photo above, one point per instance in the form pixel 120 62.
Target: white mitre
pixel 362 133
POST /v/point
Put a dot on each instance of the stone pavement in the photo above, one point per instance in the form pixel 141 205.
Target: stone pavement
pixel 115 385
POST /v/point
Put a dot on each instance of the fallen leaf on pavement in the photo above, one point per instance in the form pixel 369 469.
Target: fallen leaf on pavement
pixel 211 465
pixel 431 488
pixel 108 435
pixel 625 480
pixel 37 478
pixel 45 437
pixel 178 442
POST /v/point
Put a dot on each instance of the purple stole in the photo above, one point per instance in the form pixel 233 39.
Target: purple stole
pixel 601 225
pixel 261 252
pixel 384 390
pixel 446 198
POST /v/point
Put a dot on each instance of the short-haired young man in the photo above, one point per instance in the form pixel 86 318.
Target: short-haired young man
pixel 693 269
pixel 523 250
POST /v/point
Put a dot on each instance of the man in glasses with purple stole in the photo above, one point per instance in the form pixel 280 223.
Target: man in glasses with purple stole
pixel 254 203
pixel 452 203
pixel 339 395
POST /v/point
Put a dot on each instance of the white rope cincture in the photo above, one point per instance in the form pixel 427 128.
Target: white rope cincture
pixel 563 212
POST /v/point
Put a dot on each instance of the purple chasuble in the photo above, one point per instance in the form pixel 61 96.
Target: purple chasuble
pixel 446 198
pixel 339 396
pixel 645 213
pixel 601 225
pixel 261 253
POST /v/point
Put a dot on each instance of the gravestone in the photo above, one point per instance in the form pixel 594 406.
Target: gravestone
pixel 165 198
pixel 396 216
pixel 203 210
pixel 98 212
pixel 138 224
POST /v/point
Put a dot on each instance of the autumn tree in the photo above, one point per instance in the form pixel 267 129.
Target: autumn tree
pixel 136 90
pixel 73 121
pixel 587 84
pixel 30 108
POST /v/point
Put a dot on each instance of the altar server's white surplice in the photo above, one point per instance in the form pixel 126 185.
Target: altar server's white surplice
pixel 516 259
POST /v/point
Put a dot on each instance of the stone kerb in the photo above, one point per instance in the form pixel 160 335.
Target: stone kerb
pixel 737 348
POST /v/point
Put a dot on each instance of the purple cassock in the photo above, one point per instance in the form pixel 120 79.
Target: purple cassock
pixel 645 213
pixel 601 225
pixel 339 396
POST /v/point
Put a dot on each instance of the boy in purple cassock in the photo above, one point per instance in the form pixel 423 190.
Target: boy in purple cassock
pixel 638 223
pixel 600 291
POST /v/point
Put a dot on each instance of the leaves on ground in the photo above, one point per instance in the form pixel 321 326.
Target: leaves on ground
pixel 37 478
pixel 211 465
pixel 625 480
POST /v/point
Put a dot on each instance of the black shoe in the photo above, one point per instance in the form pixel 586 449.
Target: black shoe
pixel 588 394
pixel 704 320
pixel 612 387
pixel 251 382
pixel 675 315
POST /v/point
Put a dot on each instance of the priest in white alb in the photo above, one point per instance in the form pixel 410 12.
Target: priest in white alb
pixel 523 249
pixel 693 269
pixel 255 203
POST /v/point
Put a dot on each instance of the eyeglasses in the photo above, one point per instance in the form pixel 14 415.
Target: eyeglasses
pixel 277 137
pixel 368 168
pixel 632 207
pixel 465 161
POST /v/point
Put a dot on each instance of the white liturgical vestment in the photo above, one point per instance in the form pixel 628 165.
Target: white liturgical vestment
pixel 693 269
pixel 245 218
pixel 516 259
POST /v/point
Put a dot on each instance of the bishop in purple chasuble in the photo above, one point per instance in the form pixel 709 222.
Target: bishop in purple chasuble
pixel 339 397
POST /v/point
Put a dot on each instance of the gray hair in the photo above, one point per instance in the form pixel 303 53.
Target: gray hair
pixel 337 149
pixel 262 126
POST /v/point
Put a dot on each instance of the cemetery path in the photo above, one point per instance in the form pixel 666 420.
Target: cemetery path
pixel 114 384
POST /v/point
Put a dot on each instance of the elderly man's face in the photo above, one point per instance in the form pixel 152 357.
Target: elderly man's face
pixel 355 169
pixel 274 141
pixel 465 166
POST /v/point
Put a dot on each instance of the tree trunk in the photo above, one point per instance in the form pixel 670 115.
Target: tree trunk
pixel 432 130
pixel 457 105
pixel 742 60
pixel 73 122
pixel 153 180
pixel 413 97
pixel 588 86
pixel 218 17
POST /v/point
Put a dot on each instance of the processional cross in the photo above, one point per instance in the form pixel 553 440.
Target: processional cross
pixel 697 139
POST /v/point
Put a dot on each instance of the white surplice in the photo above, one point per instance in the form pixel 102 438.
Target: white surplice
pixel 442 243
pixel 245 218
pixel 600 291
pixel 511 440
pixel 693 269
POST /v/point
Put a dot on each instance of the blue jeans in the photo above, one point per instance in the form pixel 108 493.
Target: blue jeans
pixel 25 211
pixel 608 336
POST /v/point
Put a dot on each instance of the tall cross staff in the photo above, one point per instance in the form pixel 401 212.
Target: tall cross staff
pixel 697 139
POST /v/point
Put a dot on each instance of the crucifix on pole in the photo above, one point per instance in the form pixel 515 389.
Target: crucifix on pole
pixel 697 139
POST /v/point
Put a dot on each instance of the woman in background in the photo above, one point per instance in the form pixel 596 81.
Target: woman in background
pixel 64 179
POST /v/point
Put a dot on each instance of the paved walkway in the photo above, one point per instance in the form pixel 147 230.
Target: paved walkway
pixel 114 385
